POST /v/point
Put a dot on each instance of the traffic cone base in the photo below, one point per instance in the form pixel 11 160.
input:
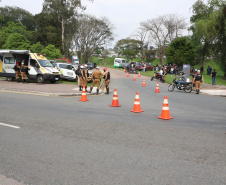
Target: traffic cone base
pixel 136 107
pixel 83 96
pixel 165 110
pixel 124 70
pixel 139 74
pixel 115 102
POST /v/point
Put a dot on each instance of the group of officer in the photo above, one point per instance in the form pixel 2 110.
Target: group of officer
pixel 83 75
pixel 21 70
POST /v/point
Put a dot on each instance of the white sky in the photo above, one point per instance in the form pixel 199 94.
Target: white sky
pixel 125 15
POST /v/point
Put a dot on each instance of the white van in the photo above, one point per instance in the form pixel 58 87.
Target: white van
pixel 75 60
pixel 118 62
pixel 39 69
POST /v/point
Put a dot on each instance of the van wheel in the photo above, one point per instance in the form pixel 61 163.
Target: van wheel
pixel 40 79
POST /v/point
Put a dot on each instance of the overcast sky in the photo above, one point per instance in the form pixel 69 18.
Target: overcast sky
pixel 125 15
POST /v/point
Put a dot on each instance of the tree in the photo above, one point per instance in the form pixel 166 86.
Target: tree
pixel 91 33
pixel 17 15
pixel 37 48
pixel 51 52
pixel 141 35
pixel 129 47
pixel 17 41
pixel 180 51
pixel 63 11
pixel 163 30
pixel 209 29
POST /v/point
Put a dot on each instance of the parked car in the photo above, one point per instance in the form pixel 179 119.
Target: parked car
pixel 149 67
pixel 66 71
pixel 90 65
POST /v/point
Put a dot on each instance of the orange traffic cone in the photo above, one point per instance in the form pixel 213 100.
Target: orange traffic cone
pixel 139 74
pixel 134 78
pixel 144 84
pixel 115 102
pixel 136 107
pixel 124 70
pixel 165 110
pixel 83 97
pixel 157 88
pixel 127 74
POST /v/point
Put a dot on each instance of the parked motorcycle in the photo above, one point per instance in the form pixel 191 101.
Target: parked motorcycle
pixel 156 76
pixel 186 86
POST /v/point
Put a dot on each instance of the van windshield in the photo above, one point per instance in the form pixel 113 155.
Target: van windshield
pixel 45 63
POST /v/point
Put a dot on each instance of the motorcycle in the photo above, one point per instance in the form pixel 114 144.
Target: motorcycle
pixel 186 86
pixel 156 76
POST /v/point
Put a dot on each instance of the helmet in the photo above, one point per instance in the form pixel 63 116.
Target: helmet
pixel 85 65
pixel 97 67
pixel 82 67
pixel 22 63
pixel 105 69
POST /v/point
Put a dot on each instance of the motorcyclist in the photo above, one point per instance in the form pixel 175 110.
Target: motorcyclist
pixel 182 79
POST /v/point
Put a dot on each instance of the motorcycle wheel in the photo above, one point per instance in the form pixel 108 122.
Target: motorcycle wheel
pixel 171 87
pixel 152 78
pixel 188 88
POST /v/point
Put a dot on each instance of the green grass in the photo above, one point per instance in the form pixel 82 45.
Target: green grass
pixel 169 79
pixel 215 65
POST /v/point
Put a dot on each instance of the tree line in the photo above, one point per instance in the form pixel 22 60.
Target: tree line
pixel 162 36
pixel 56 31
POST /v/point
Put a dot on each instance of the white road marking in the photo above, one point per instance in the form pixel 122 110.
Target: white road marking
pixel 7 125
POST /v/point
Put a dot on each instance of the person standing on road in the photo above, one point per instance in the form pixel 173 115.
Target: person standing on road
pixel 23 70
pixel 85 79
pixel 17 71
pixel 77 72
pixel 96 79
pixel 214 74
pixel 107 79
pixel 198 79
pixel 81 77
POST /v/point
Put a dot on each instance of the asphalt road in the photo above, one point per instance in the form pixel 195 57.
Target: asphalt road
pixel 61 140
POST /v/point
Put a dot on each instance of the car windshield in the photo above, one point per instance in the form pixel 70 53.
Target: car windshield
pixel 45 63
pixel 65 66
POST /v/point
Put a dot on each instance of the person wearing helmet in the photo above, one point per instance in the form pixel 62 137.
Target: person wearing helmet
pixel 198 79
pixel 23 70
pixel 107 79
pixel 182 79
pixel 96 79
pixel 17 71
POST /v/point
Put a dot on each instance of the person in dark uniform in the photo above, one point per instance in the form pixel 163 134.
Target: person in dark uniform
pixel 17 71
pixel 96 79
pixel 77 72
pixel 86 74
pixel 201 69
pixel 198 79
pixel 23 70
pixel 107 79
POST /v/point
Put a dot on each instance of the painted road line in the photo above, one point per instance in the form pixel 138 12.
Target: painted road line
pixel 7 125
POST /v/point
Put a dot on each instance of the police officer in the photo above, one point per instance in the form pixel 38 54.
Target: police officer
pixel 23 70
pixel 198 79
pixel 77 72
pixel 81 77
pixel 17 71
pixel 107 79
pixel 96 79
pixel 86 74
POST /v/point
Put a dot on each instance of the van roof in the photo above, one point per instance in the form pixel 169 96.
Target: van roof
pixel 15 51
